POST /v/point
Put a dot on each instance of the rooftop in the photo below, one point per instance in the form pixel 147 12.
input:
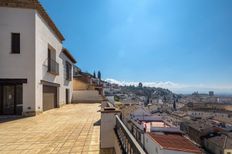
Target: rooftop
pixel 174 142
pixel 222 140
pixel 69 55
pixel 64 130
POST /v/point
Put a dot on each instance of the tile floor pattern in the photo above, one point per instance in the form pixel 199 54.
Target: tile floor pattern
pixel 70 129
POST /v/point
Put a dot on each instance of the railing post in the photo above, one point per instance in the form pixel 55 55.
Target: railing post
pixel 127 140
pixel 108 125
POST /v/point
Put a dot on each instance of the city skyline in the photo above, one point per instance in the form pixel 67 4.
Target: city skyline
pixel 182 45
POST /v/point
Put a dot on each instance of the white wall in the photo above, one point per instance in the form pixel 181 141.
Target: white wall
pixel 32 62
pixel 45 37
pixel 65 84
pixel 108 122
pixel 202 114
pixel 150 146
pixel 19 65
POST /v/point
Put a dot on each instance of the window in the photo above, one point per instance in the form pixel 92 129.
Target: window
pixel 68 71
pixel 15 43
pixel 53 66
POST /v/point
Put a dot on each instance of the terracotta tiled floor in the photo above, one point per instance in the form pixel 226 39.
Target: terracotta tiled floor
pixel 70 129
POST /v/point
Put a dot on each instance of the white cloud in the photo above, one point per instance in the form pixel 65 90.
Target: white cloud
pixel 178 87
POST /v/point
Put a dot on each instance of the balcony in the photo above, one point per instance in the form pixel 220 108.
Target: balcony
pixel 128 143
pixel 115 136
pixel 53 67
pixel 68 71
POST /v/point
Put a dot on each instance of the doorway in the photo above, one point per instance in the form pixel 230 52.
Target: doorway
pixel 67 96
pixel 10 99
pixel 49 97
pixel 8 104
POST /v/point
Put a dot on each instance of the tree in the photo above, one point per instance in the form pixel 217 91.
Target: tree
pixel 140 85
pixel 99 75
pixel 94 74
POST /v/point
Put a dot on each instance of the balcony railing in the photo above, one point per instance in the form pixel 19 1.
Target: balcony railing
pixel 128 143
pixel 53 67
pixel 68 71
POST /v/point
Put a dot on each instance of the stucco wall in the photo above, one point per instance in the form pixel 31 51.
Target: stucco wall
pixel 65 83
pixel 46 38
pixel 226 151
pixel 107 134
pixel 79 85
pixel 32 63
pixel 209 114
pixel 16 20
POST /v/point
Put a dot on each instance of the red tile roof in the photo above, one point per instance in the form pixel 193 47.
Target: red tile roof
pixel 175 142
pixel 69 55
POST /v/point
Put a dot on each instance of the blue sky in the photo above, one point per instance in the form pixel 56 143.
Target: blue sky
pixel 183 45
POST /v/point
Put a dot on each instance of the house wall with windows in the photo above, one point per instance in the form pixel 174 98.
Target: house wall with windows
pixel 67 84
pixel 40 63
pixel 21 65
pixel 46 39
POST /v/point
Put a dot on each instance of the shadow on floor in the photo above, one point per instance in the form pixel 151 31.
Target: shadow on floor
pixel 4 118
pixel 97 123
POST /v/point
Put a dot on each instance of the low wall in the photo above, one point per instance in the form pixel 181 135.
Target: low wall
pixel 108 123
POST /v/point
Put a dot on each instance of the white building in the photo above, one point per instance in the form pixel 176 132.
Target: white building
pixel 35 69
pixel 162 143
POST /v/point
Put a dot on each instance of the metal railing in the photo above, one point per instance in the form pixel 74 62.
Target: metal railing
pixel 53 66
pixel 128 143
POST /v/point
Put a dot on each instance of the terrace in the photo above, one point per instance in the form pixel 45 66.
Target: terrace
pixel 70 129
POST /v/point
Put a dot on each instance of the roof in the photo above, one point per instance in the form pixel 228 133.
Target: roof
pixel 69 55
pixel 222 140
pixel 126 111
pixel 217 111
pixel 33 4
pixel 174 142
pixel 205 125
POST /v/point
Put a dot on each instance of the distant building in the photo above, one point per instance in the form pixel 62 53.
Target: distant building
pixel 197 129
pixel 211 93
pixel 218 143
pixel 168 143
pixel 85 81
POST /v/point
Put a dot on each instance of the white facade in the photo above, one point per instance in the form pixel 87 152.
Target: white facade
pixel 19 65
pixel 205 114
pixel 32 62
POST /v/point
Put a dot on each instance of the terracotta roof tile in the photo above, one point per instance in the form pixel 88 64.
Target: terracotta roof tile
pixel 175 142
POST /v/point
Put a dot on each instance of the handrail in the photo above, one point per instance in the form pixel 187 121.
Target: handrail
pixel 53 66
pixel 127 140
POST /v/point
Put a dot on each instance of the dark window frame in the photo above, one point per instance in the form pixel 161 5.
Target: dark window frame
pixel 68 71
pixel 53 65
pixel 15 43
pixel 18 98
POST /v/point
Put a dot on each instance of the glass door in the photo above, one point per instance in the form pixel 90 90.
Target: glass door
pixel 8 104
pixel 1 99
